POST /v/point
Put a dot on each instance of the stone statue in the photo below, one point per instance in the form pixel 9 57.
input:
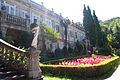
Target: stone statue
pixel 35 31
pixel 34 71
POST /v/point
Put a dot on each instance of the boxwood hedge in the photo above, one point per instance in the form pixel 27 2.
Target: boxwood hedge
pixel 82 70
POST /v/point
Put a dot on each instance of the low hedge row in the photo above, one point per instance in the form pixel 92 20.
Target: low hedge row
pixel 82 70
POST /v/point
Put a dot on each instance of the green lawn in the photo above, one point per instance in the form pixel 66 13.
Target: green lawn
pixel 55 78
pixel 51 77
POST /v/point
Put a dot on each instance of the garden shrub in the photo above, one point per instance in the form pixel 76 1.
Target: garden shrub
pixel 58 52
pixel 46 55
pixel 117 52
pixel 65 50
pixel 70 50
pixel 106 50
pixel 82 70
pixel 25 39
pixel 8 39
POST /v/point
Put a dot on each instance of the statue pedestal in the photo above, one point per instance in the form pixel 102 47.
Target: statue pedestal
pixel 34 70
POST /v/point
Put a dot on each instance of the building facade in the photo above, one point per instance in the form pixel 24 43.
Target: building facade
pixel 76 33
pixel 30 10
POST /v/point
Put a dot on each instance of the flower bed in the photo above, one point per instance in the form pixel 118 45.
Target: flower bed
pixel 85 60
pixel 82 70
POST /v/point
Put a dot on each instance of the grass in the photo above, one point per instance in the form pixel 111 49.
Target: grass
pixel 55 78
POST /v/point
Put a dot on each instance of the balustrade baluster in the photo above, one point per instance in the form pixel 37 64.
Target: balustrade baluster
pixel 13 19
pixel 11 58
pixel 5 55
pixel 16 21
pixel 22 22
pixel 10 19
pixel 1 53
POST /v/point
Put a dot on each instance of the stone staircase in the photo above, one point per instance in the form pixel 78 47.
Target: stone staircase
pixel 9 74
pixel 14 62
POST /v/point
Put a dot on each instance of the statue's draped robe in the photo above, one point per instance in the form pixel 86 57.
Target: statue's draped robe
pixel 35 31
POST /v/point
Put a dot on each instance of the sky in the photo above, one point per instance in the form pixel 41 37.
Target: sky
pixel 73 9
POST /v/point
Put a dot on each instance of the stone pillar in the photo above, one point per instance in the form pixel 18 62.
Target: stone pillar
pixel 34 71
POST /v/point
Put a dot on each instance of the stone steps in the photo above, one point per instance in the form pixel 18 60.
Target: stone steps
pixel 10 74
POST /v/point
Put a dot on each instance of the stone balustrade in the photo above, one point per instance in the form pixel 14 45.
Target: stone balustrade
pixel 24 61
pixel 14 21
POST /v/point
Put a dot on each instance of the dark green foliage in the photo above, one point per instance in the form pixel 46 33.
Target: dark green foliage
pixel 106 50
pixel 8 39
pixel 65 50
pixel 46 55
pixel 25 39
pixel 0 33
pixel 70 50
pixel 117 37
pixel 46 32
pixel 112 29
pixel 89 25
pixel 58 52
pixel 98 32
pixel 93 29
pixel 78 47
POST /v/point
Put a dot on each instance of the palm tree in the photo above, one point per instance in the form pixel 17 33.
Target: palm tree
pixel 65 23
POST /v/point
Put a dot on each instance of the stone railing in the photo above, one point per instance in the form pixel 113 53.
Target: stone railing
pixel 13 56
pixel 11 19
pixel 18 59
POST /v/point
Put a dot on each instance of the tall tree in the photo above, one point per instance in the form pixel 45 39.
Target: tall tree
pixel 89 25
pixel 93 29
pixel 98 32
pixel 65 23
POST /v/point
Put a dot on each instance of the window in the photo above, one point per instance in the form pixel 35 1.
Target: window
pixel 53 24
pixel 71 34
pixel 23 14
pixel 12 11
pixel 17 12
pixel 57 28
pixel 1 3
pixel 7 9
pixel 42 19
pixel 38 21
pixel 49 22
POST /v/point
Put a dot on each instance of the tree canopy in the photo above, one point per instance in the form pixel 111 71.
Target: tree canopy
pixel 92 28
pixel 112 28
